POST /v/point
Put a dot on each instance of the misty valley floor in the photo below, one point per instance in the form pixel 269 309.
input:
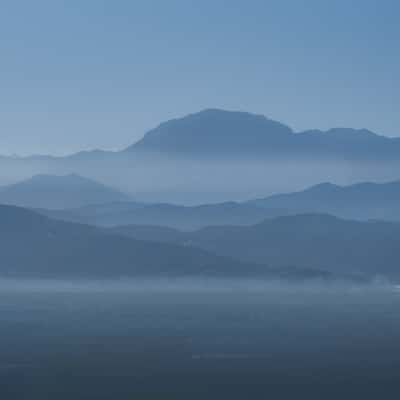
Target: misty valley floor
pixel 189 341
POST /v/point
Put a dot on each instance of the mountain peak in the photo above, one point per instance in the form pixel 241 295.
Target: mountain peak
pixel 218 133
pixel 213 131
pixel 342 133
pixel 59 191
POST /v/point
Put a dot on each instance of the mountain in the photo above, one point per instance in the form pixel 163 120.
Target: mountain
pixel 58 192
pixel 214 132
pixel 169 215
pixel 313 241
pixel 220 133
pixel 363 201
pixel 359 201
pixel 215 156
pixel 35 246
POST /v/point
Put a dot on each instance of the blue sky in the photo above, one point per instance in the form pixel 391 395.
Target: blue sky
pixel 97 74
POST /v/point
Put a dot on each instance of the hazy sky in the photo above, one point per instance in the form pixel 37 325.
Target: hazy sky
pixel 82 74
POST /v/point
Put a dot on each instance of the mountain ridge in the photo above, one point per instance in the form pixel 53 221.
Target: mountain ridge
pixel 58 191
pixel 34 246
pixel 363 200
pixel 258 135
pixel 336 245
pixel 217 155
pixel 214 122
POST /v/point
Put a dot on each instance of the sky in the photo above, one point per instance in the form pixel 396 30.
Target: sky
pixel 83 74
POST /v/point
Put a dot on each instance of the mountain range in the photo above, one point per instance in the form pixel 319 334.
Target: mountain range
pixel 315 241
pixel 294 247
pixel 363 201
pixel 221 133
pixel 78 227
pixel 218 156
pixel 34 246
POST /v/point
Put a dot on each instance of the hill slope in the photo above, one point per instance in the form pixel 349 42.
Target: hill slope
pixel 359 201
pixel 363 201
pixel 312 241
pixel 57 192
pixel 35 246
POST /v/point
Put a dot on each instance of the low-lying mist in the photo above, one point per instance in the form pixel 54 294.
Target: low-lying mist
pixel 190 285
pixel 157 179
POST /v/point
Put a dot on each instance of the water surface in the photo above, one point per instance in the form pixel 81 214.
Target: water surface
pixel 189 340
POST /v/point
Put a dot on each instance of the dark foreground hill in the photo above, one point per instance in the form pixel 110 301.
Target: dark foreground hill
pixel 313 241
pixel 35 246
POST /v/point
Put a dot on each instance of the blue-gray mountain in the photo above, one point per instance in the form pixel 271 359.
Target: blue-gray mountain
pixel 58 192
pixel 218 156
pixel 360 201
pixel 222 133
pixel 363 201
pixel 35 246
pixel 307 241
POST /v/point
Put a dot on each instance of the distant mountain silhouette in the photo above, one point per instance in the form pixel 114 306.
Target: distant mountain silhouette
pixel 214 132
pixel 359 201
pixel 217 156
pixel 169 215
pixel 57 192
pixel 363 201
pixel 35 246
pixel 313 241
pixel 222 133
